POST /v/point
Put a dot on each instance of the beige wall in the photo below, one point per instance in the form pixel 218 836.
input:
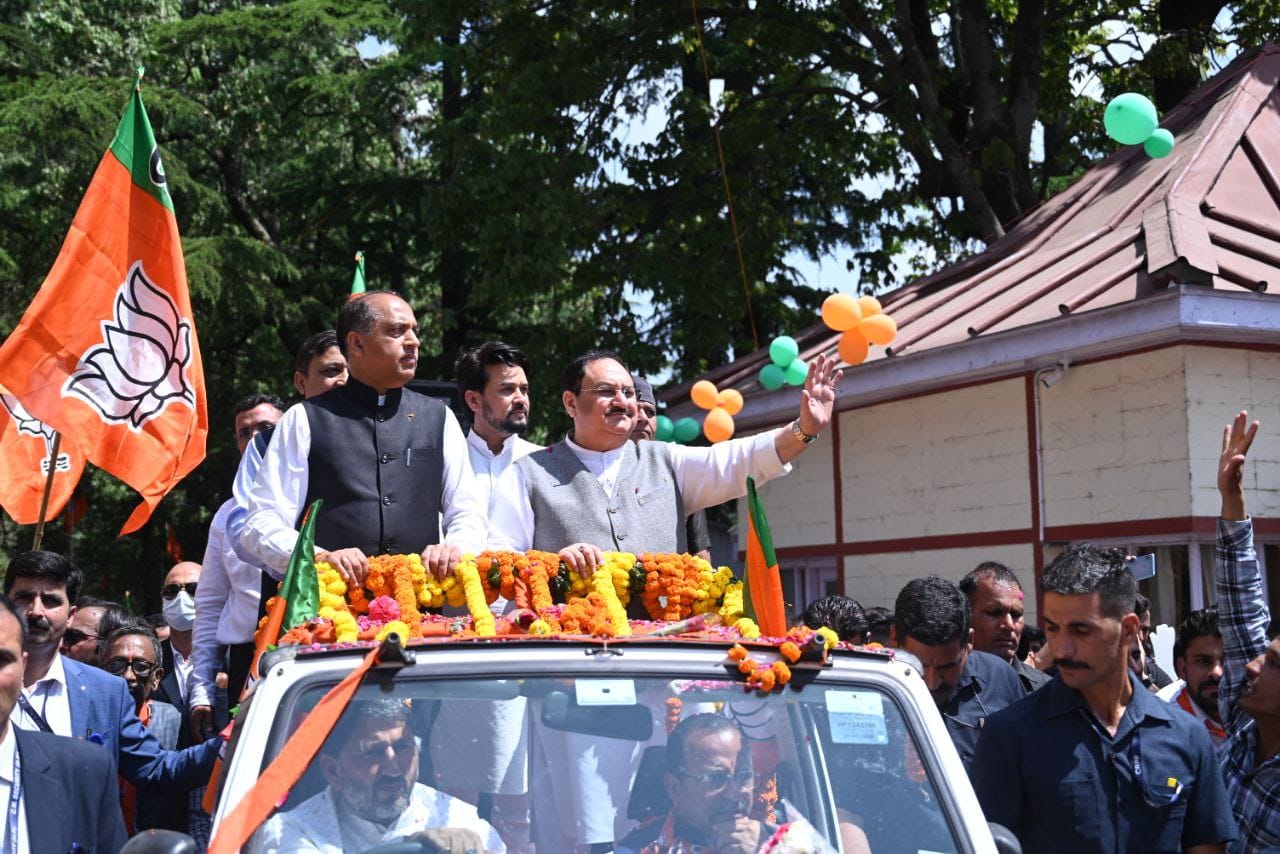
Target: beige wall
pixel 876 579
pixel 948 463
pixel 1114 439
pixel 1220 383
pixel 800 505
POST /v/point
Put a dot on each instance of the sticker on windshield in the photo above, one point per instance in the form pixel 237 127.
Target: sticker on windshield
pixel 856 717
pixel 605 692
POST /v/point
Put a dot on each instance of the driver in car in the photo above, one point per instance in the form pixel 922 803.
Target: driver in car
pixel 370 762
pixel 710 781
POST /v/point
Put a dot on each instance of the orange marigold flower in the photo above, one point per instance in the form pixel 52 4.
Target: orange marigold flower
pixel 746 666
pixel 737 652
pixel 790 651
pixel 781 672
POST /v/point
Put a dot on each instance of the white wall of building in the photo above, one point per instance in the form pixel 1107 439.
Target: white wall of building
pixel 954 462
pixel 1221 382
pixel 1114 440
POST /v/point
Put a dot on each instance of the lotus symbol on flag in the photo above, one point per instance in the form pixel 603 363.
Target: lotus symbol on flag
pixel 29 425
pixel 141 365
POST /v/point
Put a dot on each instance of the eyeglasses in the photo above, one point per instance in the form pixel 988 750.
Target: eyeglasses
pixel 169 591
pixel 608 392
pixel 715 782
pixel 71 637
pixel 141 669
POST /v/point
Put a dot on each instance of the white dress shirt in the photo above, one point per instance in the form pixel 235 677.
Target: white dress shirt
pixel 493 470
pixel 226 609
pixel 278 492
pixel 8 747
pixel 49 697
pixel 705 477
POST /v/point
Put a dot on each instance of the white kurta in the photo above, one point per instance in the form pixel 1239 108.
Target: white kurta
pixel 705 477
pixel 317 825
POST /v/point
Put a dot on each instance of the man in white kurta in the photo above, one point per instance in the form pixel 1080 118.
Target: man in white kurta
pixel 370 761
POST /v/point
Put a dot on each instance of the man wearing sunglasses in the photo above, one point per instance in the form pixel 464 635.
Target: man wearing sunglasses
pixel 132 652
pixel 1093 761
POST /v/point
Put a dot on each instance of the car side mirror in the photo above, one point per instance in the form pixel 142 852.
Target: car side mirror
pixel 1006 842
pixel 160 842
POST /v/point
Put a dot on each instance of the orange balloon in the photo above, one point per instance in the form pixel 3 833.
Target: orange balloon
pixel 718 425
pixel 841 312
pixel 730 400
pixel 703 394
pixel 869 305
pixel 853 347
pixel 879 328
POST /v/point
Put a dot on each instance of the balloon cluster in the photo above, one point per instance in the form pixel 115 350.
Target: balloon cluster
pixel 682 431
pixel 785 365
pixel 861 322
pixel 1131 119
pixel 721 406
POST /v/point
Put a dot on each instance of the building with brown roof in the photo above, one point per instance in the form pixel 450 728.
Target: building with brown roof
pixel 1068 383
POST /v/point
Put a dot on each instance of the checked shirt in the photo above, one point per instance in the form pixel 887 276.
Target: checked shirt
pixel 1253 789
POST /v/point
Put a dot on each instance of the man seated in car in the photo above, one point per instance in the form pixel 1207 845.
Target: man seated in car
pixel 710 781
pixel 370 761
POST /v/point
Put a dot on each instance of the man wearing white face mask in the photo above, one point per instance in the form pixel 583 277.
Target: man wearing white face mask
pixel 178 595
pixel 178 599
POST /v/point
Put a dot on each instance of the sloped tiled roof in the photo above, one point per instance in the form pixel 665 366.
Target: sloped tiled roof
pixel 1208 214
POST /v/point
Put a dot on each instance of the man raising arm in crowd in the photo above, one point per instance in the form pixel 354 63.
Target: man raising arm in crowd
pixel 1249 693
pixel 598 490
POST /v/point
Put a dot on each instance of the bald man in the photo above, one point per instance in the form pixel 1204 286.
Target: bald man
pixel 178 597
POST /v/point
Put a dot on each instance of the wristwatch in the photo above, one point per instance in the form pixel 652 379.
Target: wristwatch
pixel 804 437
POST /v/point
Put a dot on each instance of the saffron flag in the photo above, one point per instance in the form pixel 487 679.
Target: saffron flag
pixel 762 593
pixel 357 282
pixel 26 456
pixel 106 354
pixel 299 596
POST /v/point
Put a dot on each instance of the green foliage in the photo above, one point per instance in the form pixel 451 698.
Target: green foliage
pixel 484 155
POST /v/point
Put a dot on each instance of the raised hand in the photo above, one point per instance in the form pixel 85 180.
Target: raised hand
pixel 1237 437
pixel 818 399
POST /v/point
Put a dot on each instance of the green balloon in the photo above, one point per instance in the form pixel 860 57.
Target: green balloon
pixel 664 429
pixel 1130 118
pixel 797 372
pixel 772 377
pixel 1159 144
pixel 783 350
pixel 686 430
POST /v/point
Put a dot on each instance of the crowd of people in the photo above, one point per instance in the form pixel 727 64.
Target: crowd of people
pixel 1072 737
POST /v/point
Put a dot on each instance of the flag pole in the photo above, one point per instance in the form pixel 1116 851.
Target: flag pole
pixel 48 488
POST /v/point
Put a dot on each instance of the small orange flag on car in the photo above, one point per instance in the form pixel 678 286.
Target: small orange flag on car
pixel 762 583
pixel 26 456
pixel 106 353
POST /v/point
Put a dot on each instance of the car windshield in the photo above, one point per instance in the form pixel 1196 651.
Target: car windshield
pixel 645 764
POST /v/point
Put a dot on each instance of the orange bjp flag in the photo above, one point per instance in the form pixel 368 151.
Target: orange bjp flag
pixel 106 353
pixel 26 454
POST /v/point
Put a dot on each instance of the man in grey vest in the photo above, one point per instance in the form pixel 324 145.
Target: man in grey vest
pixel 390 464
pixel 597 490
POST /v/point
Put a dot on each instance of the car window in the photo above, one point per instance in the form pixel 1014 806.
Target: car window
pixel 636 764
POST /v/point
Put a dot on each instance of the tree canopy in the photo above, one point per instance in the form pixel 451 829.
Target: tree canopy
pixel 548 172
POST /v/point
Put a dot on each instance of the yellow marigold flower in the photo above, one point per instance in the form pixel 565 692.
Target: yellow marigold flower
pixel 397 626
pixel 829 636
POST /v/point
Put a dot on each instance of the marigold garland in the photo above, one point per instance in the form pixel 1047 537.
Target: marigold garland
pixel 603 584
pixel 473 591
pixel 400 588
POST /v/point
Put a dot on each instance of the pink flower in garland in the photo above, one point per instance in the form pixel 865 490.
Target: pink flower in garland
pixel 384 609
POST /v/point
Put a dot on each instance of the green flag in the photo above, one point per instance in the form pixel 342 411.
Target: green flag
pixel 300 589
pixel 357 283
